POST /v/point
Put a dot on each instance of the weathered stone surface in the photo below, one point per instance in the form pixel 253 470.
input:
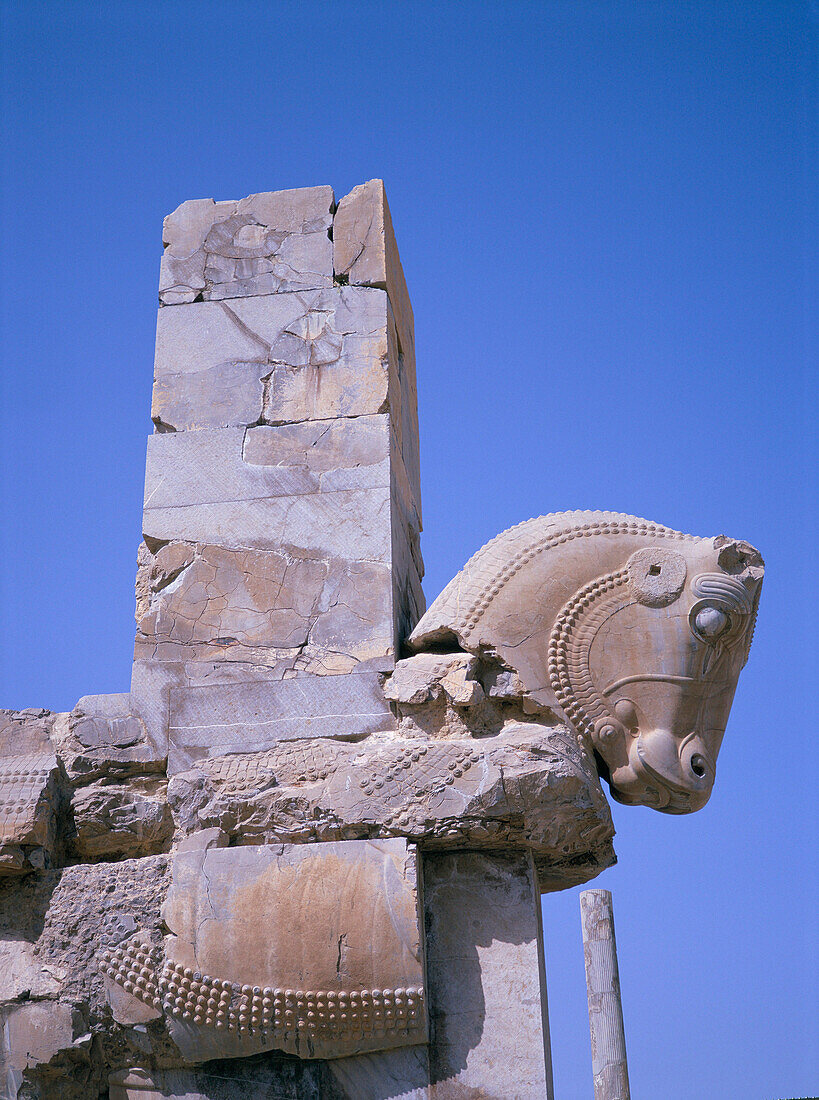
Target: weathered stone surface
pixel 529 786
pixel 200 489
pixel 23 976
pixel 365 252
pixel 458 695
pixel 32 794
pixel 53 925
pixel 33 1034
pixel 487 990
pixel 352 980
pixel 429 676
pixel 212 720
pixel 30 800
pixel 276 608
pixel 275 241
pixel 279 359
pixel 635 633
pixel 25 731
pixel 105 738
pixel 117 820
pixel 239 465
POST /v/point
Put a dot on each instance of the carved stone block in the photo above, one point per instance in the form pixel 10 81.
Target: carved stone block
pixel 29 802
pixel 213 720
pixel 632 631
pixel 274 241
pixel 243 972
pixel 285 358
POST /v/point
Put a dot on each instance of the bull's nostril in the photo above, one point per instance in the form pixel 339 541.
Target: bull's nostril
pixel 698 765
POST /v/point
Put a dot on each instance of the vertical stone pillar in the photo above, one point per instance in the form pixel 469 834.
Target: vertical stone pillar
pixel 280 569
pixel 486 978
pixel 603 986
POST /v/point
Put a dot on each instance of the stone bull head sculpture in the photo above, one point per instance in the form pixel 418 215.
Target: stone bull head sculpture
pixel 634 633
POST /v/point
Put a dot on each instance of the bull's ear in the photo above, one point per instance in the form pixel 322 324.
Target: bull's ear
pixel 736 555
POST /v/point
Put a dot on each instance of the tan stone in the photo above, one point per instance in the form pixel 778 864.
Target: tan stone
pixel 365 253
pixel 635 633
pixel 23 975
pixel 199 488
pixel 113 820
pixel 349 981
pixel 213 720
pixel 487 990
pixel 105 737
pixel 529 787
pixel 32 1034
pixel 30 800
pixel 424 678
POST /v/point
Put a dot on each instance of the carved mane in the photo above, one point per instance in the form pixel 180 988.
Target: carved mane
pixel 458 610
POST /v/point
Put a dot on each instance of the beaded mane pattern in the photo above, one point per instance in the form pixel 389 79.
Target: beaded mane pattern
pixel 666 617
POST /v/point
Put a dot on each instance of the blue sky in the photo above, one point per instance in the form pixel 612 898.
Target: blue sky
pixel 607 214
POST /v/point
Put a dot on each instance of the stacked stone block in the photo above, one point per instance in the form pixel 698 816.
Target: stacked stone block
pixel 280 569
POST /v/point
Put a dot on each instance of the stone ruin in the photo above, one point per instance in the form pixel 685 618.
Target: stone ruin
pixel 303 856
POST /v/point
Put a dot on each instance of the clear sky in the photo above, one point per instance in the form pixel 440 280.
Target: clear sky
pixel 607 214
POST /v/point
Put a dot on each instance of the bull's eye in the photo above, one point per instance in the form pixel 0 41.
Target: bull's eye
pixel 711 623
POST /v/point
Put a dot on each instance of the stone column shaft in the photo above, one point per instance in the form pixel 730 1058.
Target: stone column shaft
pixel 603 986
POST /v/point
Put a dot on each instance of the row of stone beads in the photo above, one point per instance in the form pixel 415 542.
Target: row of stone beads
pixel 201 999
pixel 569 673
pixel 191 996
pixel 134 968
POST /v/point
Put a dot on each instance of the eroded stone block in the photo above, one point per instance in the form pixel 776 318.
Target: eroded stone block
pixel 243 972
pixel 52 926
pixel 119 820
pixel 30 800
pixel 528 787
pixel 31 1035
pixel 270 242
pixel 105 737
pixel 199 488
pixel 212 720
pixel 277 608
pixel 281 358
pixel 365 252
pixel 25 731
